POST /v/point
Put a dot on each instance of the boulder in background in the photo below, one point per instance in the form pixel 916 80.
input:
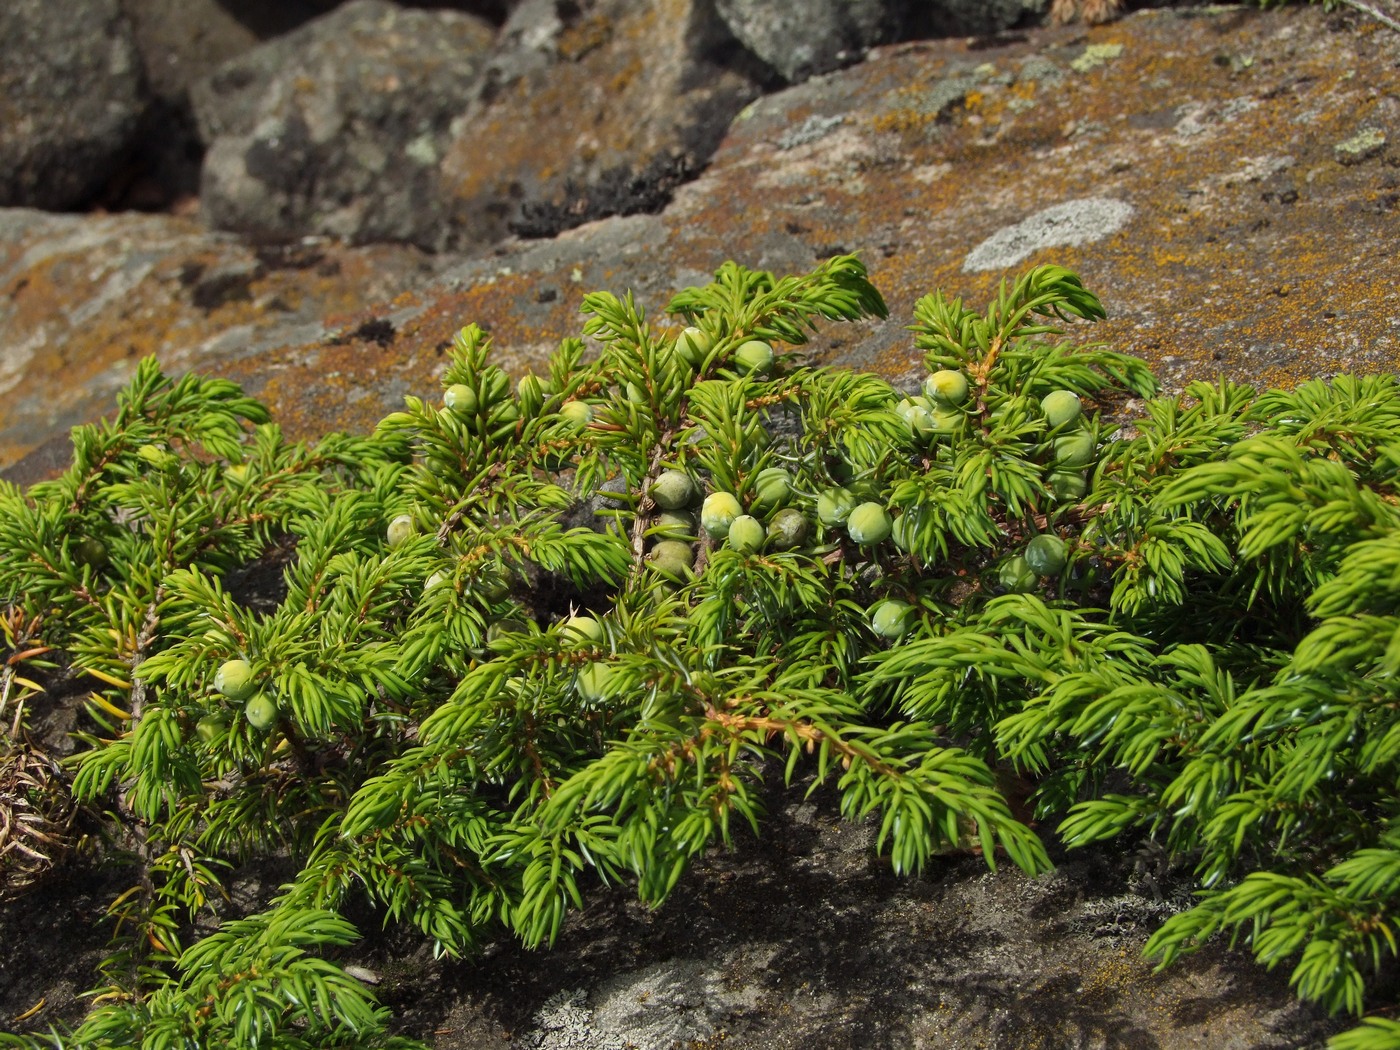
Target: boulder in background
pixel 338 128
pixel 805 37
pixel 594 111
pixel 71 96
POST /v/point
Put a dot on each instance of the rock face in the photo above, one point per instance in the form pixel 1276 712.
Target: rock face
pixel 805 37
pixel 70 99
pixel 375 123
pixel 338 128
pixel 601 112
pixel 179 41
pixel 816 36
pixel 155 284
pixel 802 940
pixel 1225 178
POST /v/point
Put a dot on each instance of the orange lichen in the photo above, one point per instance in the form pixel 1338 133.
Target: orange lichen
pixel 585 35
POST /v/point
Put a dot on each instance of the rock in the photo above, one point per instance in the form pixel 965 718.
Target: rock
pixel 681 1002
pixel 971 17
pixel 177 41
pixel 70 99
pixel 801 939
pixel 1246 244
pixel 339 127
pixel 805 37
pixel 593 110
pixel 180 41
pixel 976 17
pixel 153 284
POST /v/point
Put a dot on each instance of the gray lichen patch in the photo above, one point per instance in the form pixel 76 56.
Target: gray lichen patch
pixel 1365 144
pixel 678 1003
pixel 1072 223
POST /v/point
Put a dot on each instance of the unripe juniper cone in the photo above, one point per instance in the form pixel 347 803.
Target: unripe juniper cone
pixel 674 525
pixel 902 531
pixel 672 490
pixel 754 357
pixel 947 388
pixel 922 425
pixel 579 413
pixel 210 727
pixel 692 344
pixel 91 552
pixel 261 711
pixel 746 534
pixel 1075 449
pixel 834 506
pixel 948 421
pixel 1068 484
pixel 399 530
pixel 1060 407
pixel 594 682
pixel 234 679
pixel 1015 575
pixel 890 618
pixel 788 529
pixel 584 630
pixel 672 558
pixel 718 513
pixel 771 489
pixel 906 406
pixel 461 399
pixel 869 524
pixel 1045 555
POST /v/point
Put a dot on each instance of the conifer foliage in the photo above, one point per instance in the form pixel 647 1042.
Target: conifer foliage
pixel 539 636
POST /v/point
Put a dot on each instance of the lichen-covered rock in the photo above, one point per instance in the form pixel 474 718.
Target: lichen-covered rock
pixel 71 97
pixel 804 37
pixel 801 38
pixel 86 297
pixel 339 128
pixel 180 41
pixel 1252 248
pixel 593 110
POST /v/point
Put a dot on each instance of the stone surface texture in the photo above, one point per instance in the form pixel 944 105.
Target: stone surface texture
pixel 1226 179
pixel 180 41
pixel 1255 149
pixel 338 128
pixel 811 36
pixel 71 96
pixel 155 284
pixel 803 940
pixel 602 109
